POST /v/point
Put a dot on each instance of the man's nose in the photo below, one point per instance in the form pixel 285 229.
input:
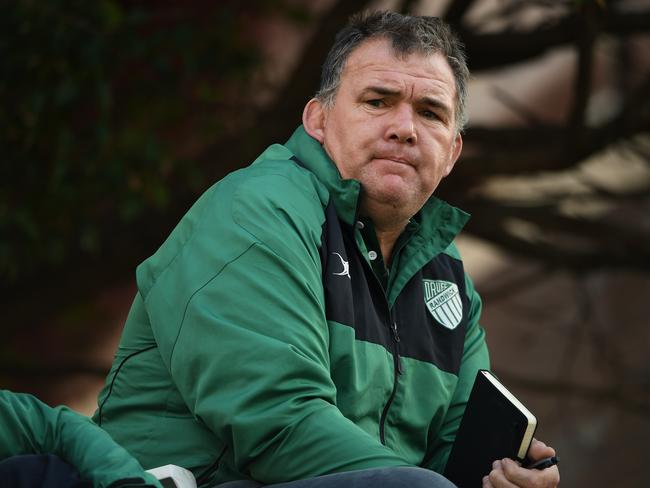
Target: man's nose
pixel 402 125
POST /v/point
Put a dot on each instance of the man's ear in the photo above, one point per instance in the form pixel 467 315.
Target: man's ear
pixel 313 119
pixel 456 148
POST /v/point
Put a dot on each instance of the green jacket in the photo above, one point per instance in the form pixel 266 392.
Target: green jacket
pixel 261 344
pixel 29 426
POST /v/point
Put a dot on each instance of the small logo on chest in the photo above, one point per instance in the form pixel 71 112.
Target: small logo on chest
pixel 345 265
pixel 443 301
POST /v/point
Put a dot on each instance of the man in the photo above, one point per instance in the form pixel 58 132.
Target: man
pixel 309 318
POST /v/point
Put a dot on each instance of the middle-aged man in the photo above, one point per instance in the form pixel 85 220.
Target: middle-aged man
pixel 309 318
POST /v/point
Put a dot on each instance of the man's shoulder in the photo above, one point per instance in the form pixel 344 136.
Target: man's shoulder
pixel 270 186
pixel 278 180
pixel 277 195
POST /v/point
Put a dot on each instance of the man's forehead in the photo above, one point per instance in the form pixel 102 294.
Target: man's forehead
pixel 379 55
pixel 375 61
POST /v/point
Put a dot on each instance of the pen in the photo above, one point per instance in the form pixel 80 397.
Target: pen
pixel 544 463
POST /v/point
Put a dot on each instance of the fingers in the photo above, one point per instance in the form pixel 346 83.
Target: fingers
pixel 486 482
pixel 539 450
pixel 508 474
pixel 498 477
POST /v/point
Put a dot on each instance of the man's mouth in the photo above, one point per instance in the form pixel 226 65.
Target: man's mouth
pixel 395 159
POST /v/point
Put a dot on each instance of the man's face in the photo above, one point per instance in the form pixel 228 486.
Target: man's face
pixel 392 126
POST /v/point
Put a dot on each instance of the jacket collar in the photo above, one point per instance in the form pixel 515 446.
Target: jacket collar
pixel 311 154
pixel 437 220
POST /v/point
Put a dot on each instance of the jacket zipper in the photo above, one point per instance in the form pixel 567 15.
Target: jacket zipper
pixel 398 370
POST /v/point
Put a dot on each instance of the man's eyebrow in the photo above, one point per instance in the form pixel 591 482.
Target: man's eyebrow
pixel 382 90
pixel 436 103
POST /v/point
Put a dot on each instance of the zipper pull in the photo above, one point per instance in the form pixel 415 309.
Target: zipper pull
pixel 398 358
pixel 393 328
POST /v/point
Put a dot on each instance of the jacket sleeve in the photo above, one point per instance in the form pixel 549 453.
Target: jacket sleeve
pixel 251 355
pixel 29 426
pixel 475 357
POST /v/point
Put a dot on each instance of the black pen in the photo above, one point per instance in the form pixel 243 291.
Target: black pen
pixel 544 463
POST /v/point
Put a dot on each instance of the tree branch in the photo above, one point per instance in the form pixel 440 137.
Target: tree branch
pixel 456 11
pixel 406 6
pixel 517 107
pixel 493 50
pixel 526 150
pixel 563 241
pixel 582 87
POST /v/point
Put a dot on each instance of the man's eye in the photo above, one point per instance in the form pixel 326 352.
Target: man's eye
pixel 428 114
pixel 376 102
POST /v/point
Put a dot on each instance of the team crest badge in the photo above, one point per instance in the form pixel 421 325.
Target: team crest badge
pixel 443 301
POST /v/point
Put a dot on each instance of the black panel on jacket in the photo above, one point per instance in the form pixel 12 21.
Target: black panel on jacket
pixel 354 297
pixel 348 298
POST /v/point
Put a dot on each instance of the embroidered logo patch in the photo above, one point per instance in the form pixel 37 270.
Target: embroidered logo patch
pixel 443 301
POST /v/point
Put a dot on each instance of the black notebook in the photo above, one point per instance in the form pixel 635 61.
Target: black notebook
pixel 495 425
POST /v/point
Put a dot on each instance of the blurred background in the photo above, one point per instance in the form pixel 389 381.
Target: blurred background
pixel 116 114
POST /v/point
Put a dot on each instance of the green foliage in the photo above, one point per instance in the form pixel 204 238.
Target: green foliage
pixel 101 103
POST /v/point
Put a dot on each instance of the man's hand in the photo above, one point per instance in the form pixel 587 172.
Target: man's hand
pixel 507 473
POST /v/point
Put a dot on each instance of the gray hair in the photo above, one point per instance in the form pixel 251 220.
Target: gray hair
pixel 408 34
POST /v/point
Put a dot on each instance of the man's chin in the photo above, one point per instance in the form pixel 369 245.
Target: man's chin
pixel 396 191
pixel 397 199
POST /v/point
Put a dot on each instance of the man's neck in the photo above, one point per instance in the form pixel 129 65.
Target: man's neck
pixel 389 224
pixel 387 234
pixel 387 240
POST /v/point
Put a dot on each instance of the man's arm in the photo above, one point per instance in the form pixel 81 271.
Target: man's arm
pixel 29 426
